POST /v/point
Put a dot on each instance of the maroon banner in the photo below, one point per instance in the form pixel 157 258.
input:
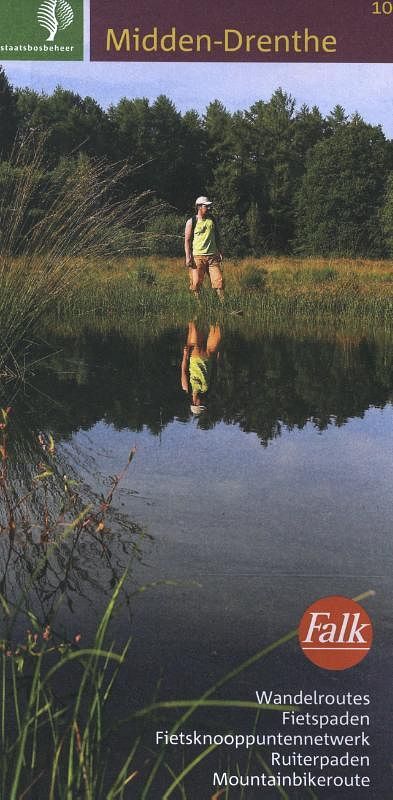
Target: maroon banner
pixel 256 30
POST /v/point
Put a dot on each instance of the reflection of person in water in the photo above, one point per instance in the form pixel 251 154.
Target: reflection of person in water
pixel 199 353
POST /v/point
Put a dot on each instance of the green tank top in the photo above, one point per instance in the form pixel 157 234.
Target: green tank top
pixel 200 372
pixel 204 241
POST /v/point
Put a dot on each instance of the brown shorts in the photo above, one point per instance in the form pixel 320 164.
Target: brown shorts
pixel 210 265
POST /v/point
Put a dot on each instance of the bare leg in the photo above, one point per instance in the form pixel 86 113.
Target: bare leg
pixel 197 280
pixel 220 294
pixel 213 340
pixel 216 279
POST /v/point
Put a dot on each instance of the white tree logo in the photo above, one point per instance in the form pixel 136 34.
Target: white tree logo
pixel 55 15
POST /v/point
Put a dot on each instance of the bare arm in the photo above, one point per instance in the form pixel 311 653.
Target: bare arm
pixel 184 369
pixel 218 241
pixel 188 243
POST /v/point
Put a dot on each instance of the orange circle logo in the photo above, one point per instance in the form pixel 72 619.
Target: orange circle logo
pixel 335 633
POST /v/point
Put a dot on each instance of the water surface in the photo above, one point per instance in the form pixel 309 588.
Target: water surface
pixel 234 520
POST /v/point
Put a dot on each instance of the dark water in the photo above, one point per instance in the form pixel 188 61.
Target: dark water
pixel 234 520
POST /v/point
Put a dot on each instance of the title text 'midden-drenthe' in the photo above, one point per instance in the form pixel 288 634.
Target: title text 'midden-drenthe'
pixel 136 40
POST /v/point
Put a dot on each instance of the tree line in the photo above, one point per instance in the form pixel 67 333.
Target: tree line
pixel 284 180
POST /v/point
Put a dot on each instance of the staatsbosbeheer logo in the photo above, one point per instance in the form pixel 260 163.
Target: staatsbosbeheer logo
pixel 335 633
pixel 55 15
pixel 41 30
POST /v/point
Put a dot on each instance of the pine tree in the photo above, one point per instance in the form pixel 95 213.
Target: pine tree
pixel 70 123
pixel 387 216
pixel 272 127
pixel 195 162
pixel 339 201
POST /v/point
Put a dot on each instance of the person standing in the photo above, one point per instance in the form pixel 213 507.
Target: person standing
pixel 203 249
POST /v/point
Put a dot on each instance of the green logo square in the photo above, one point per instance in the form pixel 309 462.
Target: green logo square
pixel 41 30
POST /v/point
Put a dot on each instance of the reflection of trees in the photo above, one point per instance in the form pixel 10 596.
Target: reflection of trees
pixel 60 540
pixel 286 381
pixel 262 383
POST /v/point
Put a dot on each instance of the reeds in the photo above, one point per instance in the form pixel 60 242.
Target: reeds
pixel 60 746
pixel 51 743
pixel 42 259
pixel 46 739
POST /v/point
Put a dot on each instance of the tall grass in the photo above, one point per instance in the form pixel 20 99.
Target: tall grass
pixel 58 745
pixel 41 260
pixel 50 741
pixel 269 289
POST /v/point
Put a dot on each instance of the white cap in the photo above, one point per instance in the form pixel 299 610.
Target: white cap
pixel 196 410
pixel 203 201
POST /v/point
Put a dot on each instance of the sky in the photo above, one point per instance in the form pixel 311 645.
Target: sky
pixel 365 88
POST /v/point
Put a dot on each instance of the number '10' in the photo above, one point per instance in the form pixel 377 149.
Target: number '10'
pixel 382 8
